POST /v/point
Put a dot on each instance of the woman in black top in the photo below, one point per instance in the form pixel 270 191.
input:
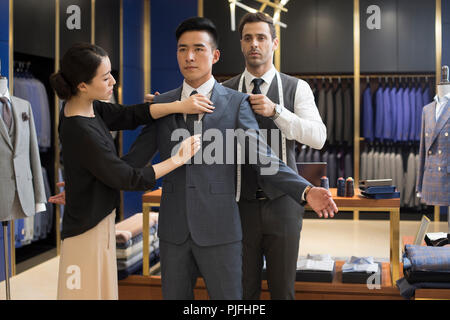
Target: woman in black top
pixel 94 173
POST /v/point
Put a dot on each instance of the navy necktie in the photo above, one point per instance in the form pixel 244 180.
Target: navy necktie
pixel 257 82
pixel 191 118
pixel 6 113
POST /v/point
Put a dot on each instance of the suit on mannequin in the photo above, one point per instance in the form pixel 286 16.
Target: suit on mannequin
pixel 22 192
pixel 434 170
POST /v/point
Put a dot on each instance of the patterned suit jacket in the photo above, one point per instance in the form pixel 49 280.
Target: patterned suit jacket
pixel 434 163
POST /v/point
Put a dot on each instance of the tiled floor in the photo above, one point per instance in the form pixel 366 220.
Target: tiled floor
pixel 339 238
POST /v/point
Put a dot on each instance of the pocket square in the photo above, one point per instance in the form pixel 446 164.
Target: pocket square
pixel 25 116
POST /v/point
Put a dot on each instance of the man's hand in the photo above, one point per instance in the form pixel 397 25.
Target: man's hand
pixel 321 202
pixel 149 97
pixel 60 198
pixel 262 105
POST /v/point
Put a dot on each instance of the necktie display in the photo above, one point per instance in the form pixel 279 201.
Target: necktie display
pixel 191 118
pixel 257 82
pixel 6 112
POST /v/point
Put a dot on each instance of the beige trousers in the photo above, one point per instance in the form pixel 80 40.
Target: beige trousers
pixel 88 266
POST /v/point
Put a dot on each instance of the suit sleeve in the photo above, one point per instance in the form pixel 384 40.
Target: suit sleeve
pixel 421 168
pixel 265 162
pixel 35 162
pixel 119 117
pixel 107 167
pixel 144 147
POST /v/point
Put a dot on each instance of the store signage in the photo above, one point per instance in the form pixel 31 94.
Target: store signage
pixel 74 20
pixel 373 21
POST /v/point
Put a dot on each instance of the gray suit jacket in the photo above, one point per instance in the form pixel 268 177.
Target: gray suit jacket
pixel 199 199
pixel 20 165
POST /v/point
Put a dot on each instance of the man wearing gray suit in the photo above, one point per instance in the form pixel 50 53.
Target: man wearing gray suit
pixel 22 192
pixel 199 224
pixel 284 106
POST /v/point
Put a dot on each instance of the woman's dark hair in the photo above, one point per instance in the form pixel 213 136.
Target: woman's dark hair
pixel 79 64
pixel 199 24
pixel 257 17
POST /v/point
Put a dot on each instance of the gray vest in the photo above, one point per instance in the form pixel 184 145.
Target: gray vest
pixel 250 179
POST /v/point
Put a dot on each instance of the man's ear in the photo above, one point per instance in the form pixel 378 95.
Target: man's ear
pixel 276 41
pixel 216 56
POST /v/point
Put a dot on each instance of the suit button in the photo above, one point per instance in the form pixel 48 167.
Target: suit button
pixel 426 134
pixel 446 134
pixel 429 152
pixel 440 151
pixel 439 168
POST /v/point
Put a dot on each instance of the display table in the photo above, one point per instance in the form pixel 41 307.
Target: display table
pixel 137 287
pixel 357 202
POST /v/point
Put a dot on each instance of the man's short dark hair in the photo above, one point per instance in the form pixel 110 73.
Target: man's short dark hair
pixel 257 17
pixel 199 24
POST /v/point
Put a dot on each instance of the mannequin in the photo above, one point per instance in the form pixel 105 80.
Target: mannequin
pixel 433 176
pixel 22 192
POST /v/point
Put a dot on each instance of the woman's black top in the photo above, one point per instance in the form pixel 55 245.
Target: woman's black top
pixel 93 172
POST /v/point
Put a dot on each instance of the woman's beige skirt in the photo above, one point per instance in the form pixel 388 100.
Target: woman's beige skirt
pixel 87 266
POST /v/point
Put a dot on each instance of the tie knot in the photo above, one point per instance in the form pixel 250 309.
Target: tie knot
pixel 256 85
pixel 193 92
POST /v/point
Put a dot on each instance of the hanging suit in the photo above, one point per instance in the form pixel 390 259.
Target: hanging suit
pixel 348 117
pixel 434 166
pixel 367 125
pixel 379 110
pixel 21 186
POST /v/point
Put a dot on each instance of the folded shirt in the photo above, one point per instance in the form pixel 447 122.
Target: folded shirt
pixel 426 258
pixel 132 226
pixel 137 247
pixel 360 264
pixel 315 263
pixel 135 239
pixel 123 264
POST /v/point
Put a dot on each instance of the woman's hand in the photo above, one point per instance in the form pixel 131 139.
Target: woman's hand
pixel 195 104
pixel 150 97
pixel 188 148
pixel 60 198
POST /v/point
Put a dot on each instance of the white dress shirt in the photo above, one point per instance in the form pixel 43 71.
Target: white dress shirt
pixel 440 104
pixel 205 89
pixel 304 124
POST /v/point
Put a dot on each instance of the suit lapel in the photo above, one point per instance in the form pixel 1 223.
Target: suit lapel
pixel 441 120
pixel 175 120
pixel 219 99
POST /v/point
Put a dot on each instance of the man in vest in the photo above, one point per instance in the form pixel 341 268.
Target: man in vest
pixel 271 220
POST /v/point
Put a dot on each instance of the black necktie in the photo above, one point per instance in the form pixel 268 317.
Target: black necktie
pixel 257 82
pixel 191 118
pixel 6 113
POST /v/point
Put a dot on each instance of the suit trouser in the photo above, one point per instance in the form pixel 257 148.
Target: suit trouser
pixel 219 265
pixel 270 228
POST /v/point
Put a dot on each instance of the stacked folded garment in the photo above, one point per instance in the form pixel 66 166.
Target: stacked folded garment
pixel 378 189
pixel 424 267
pixel 360 269
pixel 129 243
pixel 316 268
